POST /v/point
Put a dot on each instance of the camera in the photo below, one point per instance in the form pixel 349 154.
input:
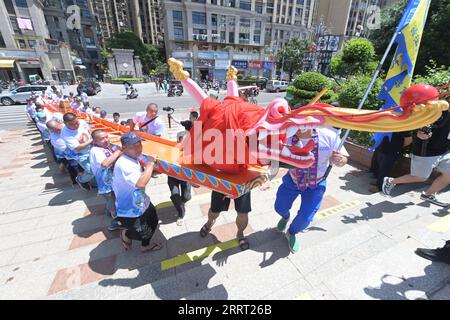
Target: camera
pixel 168 109
pixel 427 129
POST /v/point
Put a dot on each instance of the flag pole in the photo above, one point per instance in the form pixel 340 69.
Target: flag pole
pixel 366 94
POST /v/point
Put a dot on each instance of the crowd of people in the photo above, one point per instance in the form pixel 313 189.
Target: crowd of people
pixel 120 173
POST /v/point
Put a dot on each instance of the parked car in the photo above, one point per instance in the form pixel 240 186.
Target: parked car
pixel 91 87
pixel 21 94
pixel 276 85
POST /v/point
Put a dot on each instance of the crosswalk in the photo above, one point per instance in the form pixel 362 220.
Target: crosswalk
pixel 12 117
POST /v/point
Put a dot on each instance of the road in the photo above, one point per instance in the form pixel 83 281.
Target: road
pixel 112 99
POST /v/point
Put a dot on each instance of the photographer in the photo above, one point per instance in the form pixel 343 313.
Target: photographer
pixel 149 121
pixel 430 151
pixel 187 124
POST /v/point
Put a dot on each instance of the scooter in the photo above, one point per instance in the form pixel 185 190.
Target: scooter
pixel 132 94
pixel 172 92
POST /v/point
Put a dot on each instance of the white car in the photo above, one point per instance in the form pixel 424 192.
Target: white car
pixel 276 85
pixel 21 94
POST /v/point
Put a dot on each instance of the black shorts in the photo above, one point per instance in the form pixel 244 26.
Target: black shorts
pixel 220 202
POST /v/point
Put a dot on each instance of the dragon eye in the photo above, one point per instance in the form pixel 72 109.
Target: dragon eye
pixel 281 109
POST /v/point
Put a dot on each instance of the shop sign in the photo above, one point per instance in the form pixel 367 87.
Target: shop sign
pixel 222 64
pixel 255 64
pixel 182 54
pixel 187 63
pixel 5 53
pixel 205 63
pixel 240 64
pixel 267 65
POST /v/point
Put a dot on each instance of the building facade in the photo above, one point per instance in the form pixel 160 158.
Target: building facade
pixel 27 49
pixel 112 16
pixel 209 35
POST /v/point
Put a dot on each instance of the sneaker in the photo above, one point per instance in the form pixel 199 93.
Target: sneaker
pixel 439 254
pixel 84 186
pixel 432 198
pixel 114 225
pixel 294 244
pixel 281 226
pixel 388 185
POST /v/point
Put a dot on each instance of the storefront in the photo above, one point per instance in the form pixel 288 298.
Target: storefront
pixel 241 66
pixel 20 65
pixel 254 68
pixel 220 69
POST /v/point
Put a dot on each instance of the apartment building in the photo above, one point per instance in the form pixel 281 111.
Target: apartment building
pixel 209 35
pixel 27 50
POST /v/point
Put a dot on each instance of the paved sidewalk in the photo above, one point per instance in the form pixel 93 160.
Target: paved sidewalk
pixel 54 242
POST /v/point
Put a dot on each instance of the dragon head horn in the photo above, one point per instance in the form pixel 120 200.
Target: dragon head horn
pixel 176 67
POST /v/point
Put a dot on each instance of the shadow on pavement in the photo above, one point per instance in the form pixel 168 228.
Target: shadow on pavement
pixel 177 282
pixel 376 211
pixel 423 287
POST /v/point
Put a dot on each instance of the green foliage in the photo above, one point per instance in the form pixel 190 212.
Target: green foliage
pixel 291 56
pixel 307 86
pixel 352 92
pixel 434 45
pixel 361 137
pixel 435 76
pixel 357 57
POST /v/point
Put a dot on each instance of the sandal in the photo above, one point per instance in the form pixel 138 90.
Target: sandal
pixel 205 230
pixel 126 244
pixel 244 244
pixel 152 247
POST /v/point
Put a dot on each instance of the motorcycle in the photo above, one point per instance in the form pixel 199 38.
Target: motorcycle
pixel 174 91
pixel 132 93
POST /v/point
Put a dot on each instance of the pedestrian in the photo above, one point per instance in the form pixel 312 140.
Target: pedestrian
pixel 438 254
pixel 180 194
pixel 30 110
pixel 126 85
pixel 116 117
pixel 97 112
pixel 430 151
pixel 60 148
pixel 149 121
pixel 309 184
pixel 187 124
pixel 165 84
pixel 135 212
pixel 157 84
pixel 103 114
pixel 102 157
pixel 387 154
pixel 78 139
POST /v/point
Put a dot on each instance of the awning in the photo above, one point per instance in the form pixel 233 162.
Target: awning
pixel 7 63
pixel 80 66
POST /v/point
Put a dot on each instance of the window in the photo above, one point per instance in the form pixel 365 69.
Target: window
pixel 56 20
pixel 259 8
pixel 93 54
pixel 214 19
pixel 2 41
pixel 199 1
pixel 244 38
pixel 258 24
pixel 177 15
pixel 21 43
pixel 9 7
pixel 245 23
pixel 23 89
pixel 198 17
pixel 246 5
pixel 178 33
pixel 231 37
pixel 32 43
pixel 230 3
pixel 22 3
pixel 269 8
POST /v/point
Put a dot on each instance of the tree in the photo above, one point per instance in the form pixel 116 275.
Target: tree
pixel 357 57
pixel 151 56
pixel 307 86
pixel 434 45
pixel 290 58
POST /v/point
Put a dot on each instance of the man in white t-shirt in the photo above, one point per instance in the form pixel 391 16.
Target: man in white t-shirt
pixel 77 104
pixel 30 110
pixel 60 149
pixel 102 157
pixel 309 183
pixel 149 121
pixel 78 139
pixel 135 212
